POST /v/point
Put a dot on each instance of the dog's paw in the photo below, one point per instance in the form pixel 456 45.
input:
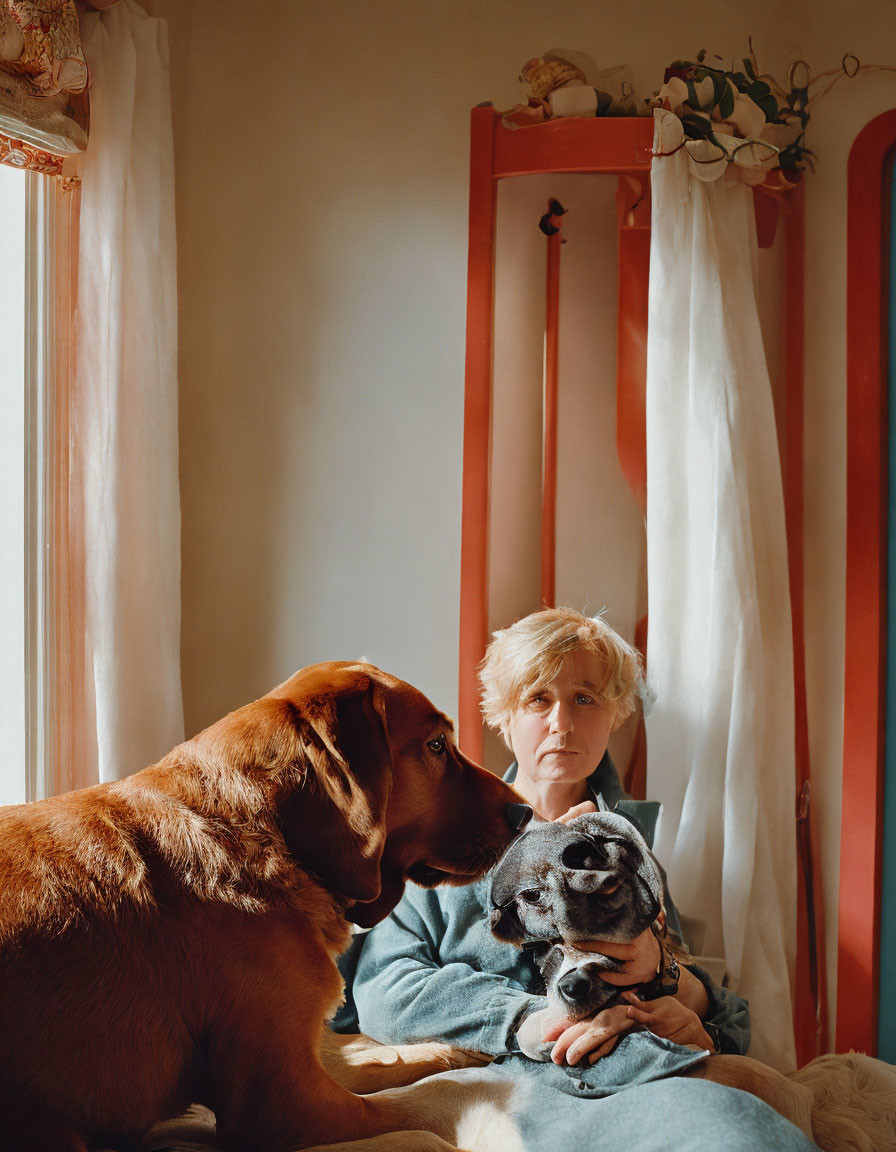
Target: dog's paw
pixel 464 1058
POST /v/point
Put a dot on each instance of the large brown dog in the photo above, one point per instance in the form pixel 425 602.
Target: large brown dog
pixel 170 937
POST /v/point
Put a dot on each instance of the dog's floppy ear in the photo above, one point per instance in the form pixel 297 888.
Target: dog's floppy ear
pixel 335 823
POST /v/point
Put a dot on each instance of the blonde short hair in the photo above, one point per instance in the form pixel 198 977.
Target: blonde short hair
pixel 527 656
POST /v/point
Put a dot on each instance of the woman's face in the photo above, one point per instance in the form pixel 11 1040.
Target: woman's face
pixel 560 733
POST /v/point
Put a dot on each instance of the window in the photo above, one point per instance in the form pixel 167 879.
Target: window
pixel 13 213
pixel 29 476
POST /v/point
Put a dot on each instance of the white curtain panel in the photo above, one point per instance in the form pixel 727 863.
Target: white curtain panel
pixel 124 474
pixel 720 658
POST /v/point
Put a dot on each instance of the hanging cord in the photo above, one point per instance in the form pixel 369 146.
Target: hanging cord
pixel 798 97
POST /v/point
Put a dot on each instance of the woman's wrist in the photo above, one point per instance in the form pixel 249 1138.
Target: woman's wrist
pixel 692 993
pixel 665 976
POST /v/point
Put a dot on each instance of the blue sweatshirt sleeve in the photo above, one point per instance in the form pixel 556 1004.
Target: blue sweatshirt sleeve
pixel 727 1020
pixel 407 986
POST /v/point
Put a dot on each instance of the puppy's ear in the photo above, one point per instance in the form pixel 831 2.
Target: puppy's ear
pixel 335 822
pixel 506 925
pixel 548 958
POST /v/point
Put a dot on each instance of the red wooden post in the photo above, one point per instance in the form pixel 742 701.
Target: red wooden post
pixel 477 425
pixel 632 286
pixel 810 991
pixel 861 845
pixel 632 280
pixel 549 422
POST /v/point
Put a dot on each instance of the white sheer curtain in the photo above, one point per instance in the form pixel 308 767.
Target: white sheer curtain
pixel 123 410
pixel 720 658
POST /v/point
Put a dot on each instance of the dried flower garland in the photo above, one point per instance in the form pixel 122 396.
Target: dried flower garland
pixel 732 121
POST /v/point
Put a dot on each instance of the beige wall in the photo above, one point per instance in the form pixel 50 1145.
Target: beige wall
pixel 321 157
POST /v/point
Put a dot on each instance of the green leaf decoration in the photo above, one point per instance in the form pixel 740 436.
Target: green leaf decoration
pixel 796 155
pixel 760 93
pixel 696 127
pixel 748 68
pixel 719 86
pixel 726 103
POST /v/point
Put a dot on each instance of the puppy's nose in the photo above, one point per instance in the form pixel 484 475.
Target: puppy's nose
pixel 518 816
pixel 574 987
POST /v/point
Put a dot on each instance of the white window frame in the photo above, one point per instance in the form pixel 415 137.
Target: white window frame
pixel 46 464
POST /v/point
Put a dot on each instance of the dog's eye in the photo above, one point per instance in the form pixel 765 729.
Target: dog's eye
pixel 437 745
pixel 531 895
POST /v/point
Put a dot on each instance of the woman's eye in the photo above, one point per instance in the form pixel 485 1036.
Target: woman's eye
pixel 583 699
pixel 437 745
pixel 531 895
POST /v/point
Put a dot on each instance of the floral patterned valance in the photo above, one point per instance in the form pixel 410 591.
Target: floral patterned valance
pixel 43 84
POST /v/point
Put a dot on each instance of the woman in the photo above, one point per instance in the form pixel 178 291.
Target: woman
pixel 555 684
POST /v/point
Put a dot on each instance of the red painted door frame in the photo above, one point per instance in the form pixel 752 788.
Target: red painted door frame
pixel 858 949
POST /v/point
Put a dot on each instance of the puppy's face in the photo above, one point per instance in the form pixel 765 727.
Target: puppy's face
pixel 592 879
pixel 574 980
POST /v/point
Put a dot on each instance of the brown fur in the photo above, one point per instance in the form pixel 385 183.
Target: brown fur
pixel 170 938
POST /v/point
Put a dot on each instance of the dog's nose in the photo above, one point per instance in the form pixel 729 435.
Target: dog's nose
pixel 518 816
pixel 574 987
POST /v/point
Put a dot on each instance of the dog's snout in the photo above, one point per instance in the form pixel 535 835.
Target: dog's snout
pixel 574 987
pixel 518 816
pixel 583 855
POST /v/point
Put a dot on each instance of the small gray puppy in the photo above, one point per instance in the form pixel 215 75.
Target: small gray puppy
pixel 594 878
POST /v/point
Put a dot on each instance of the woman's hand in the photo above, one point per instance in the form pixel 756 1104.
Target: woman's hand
pixel 669 1018
pixel 665 1017
pixel 591 1038
pixel 549 1035
pixel 537 1030
pixel 640 958
pixel 576 810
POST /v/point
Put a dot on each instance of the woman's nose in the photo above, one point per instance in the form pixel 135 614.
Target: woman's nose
pixel 561 717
